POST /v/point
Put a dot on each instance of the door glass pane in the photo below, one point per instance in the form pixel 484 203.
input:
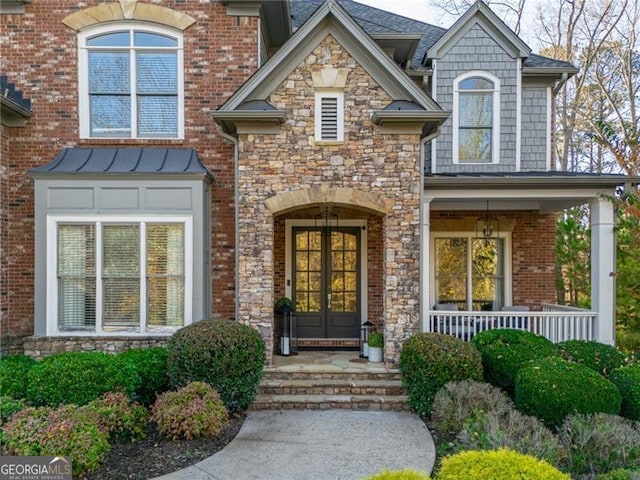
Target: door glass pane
pixel 308 274
pixel 451 271
pixel 343 272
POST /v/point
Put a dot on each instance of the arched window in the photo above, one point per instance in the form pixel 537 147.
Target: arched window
pixel 131 82
pixel 476 118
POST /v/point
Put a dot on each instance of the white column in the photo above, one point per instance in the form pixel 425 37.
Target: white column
pixel 424 263
pixel 603 269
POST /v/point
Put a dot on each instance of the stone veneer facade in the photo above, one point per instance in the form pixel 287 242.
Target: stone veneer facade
pixel 367 163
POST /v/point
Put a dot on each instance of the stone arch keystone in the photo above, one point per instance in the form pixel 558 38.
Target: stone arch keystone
pixel 316 195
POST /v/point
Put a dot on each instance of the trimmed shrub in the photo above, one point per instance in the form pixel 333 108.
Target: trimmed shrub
pixel 456 402
pixel 552 388
pixel 600 443
pixel 504 351
pixel 619 474
pixel 78 378
pixel 429 361
pixel 9 406
pixel 13 375
pixel 150 365
pixel 602 358
pixel 61 432
pixel 497 465
pixel 509 429
pixel 225 354
pixel 193 411
pixel 115 415
pixel 407 474
pixel 627 379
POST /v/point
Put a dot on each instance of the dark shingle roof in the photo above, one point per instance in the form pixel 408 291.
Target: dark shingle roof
pixel 135 160
pixel 376 21
pixel 8 90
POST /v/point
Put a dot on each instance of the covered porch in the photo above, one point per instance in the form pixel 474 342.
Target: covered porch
pixel 476 278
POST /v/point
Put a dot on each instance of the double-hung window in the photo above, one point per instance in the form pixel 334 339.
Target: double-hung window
pixel 128 275
pixel 131 83
pixel 476 117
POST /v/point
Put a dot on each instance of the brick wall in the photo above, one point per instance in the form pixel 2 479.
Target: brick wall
pixel 39 54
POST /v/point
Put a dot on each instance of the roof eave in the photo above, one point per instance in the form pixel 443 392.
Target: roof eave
pixel 229 120
pixel 549 71
pixel 12 113
pixel 611 181
pixel 384 116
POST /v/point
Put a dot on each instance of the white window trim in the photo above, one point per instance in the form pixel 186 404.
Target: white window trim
pixel 508 262
pixel 495 127
pixel 319 95
pixel 99 220
pixel 84 111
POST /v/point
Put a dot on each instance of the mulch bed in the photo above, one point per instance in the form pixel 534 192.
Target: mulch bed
pixel 155 455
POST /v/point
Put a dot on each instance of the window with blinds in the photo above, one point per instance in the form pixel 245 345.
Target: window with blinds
pixel 138 284
pixel 329 117
pixel 133 84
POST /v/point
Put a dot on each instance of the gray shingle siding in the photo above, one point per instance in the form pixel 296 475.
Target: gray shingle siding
pixel 487 56
pixel 534 128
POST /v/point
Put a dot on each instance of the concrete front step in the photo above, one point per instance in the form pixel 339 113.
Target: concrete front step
pixel 280 374
pixel 325 402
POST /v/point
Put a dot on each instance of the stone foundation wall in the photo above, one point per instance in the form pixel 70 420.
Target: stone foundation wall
pixel 40 347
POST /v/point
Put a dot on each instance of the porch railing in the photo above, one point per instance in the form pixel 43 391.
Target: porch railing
pixel 555 322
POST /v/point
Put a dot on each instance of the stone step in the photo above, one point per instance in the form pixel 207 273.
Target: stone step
pixel 331 386
pixel 326 402
pixel 377 374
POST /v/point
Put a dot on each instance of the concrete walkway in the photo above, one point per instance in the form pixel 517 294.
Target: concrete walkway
pixel 318 445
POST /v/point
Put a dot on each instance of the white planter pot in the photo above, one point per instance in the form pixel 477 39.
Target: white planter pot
pixel 375 354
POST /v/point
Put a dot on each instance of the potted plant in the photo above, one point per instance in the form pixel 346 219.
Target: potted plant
pixel 376 342
pixel 283 305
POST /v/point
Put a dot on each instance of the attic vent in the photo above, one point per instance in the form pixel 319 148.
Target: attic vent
pixel 329 117
pixel 329 109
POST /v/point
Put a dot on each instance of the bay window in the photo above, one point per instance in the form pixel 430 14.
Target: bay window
pixel 125 275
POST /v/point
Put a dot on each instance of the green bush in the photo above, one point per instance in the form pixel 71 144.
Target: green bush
pixel 13 375
pixel 509 429
pixel 375 340
pixel 77 378
pixel 428 361
pixel 505 351
pixel 225 354
pixel 456 402
pixel 60 432
pixel 115 415
pixel 627 379
pixel 9 406
pixel 193 411
pixel 497 465
pixel 600 443
pixel 552 388
pixel 602 358
pixel 620 474
pixel 407 474
pixel 150 365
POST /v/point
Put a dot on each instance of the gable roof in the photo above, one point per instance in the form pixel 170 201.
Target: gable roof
pixel 328 19
pixel 375 21
pixel 479 13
